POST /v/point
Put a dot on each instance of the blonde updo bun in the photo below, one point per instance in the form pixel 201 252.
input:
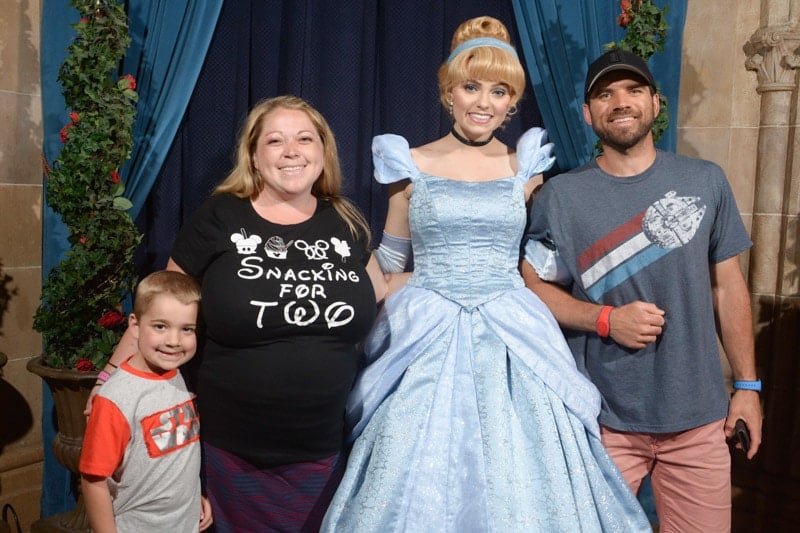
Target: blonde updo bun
pixel 482 62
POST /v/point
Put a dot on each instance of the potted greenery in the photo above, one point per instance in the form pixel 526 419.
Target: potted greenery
pixel 80 315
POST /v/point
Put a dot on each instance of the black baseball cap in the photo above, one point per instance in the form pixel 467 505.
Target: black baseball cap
pixel 612 60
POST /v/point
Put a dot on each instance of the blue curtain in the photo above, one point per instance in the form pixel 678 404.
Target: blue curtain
pixel 169 40
pixel 559 40
pixel 57 15
pixel 369 67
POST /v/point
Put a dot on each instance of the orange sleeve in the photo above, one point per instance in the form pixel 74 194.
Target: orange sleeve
pixel 106 438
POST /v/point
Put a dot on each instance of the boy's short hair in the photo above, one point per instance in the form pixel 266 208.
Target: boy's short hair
pixel 165 282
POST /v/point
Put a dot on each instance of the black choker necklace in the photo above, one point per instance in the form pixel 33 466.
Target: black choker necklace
pixel 466 141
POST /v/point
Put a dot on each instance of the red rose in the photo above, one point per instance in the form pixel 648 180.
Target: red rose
pixel 623 19
pixel 111 319
pixel 64 133
pixel 115 176
pixel 84 365
pixel 75 117
pixel 83 240
pixel 131 82
pixel 625 5
pixel 84 20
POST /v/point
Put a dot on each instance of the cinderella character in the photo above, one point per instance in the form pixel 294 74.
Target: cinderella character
pixel 470 414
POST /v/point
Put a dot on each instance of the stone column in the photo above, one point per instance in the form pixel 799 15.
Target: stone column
pixel 769 486
pixel 772 54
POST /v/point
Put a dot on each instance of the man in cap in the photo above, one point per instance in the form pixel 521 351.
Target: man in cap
pixel 636 254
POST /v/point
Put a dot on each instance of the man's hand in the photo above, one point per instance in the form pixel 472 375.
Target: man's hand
pixel 637 324
pixel 745 404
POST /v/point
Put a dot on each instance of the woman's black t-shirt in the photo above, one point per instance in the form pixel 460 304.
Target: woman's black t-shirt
pixel 284 307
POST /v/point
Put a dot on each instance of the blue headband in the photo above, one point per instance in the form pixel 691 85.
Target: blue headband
pixel 481 41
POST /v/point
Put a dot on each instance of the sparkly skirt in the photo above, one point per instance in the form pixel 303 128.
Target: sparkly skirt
pixel 476 419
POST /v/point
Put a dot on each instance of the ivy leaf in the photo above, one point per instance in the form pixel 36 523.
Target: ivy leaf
pixel 122 204
pixel 117 189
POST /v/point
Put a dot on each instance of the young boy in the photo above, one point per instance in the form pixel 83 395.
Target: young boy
pixel 140 463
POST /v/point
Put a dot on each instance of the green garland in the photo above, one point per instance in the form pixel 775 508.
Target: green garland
pixel 80 316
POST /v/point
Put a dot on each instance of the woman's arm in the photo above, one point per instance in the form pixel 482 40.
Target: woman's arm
pixel 378 279
pixel 397 226
pixel 397 215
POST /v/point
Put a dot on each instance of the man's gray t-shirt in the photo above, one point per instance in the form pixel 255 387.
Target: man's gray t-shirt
pixel 650 237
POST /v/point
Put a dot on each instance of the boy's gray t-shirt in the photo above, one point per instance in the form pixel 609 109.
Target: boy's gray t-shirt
pixel 650 237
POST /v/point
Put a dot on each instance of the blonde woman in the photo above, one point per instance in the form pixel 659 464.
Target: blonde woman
pixel 289 288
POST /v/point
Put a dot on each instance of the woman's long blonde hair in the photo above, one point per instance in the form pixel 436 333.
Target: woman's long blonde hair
pixel 481 62
pixel 244 180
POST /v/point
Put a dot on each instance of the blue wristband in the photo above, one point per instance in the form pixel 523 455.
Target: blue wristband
pixel 748 385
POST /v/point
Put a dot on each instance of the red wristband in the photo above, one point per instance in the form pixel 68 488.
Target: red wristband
pixel 602 325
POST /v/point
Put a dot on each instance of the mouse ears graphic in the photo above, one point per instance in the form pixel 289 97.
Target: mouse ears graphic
pixel 245 245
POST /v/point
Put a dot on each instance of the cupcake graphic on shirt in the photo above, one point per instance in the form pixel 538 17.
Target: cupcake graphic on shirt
pixel 276 248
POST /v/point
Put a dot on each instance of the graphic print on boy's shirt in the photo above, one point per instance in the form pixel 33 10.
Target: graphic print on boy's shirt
pixel 666 225
pixel 171 429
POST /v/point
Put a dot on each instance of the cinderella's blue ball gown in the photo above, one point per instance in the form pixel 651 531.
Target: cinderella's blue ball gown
pixel 470 414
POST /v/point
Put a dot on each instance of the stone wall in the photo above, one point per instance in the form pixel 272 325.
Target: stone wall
pixel 20 256
pixel 738 107
pixel 718 113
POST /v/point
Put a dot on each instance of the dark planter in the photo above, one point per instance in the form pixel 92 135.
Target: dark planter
pixel 70 389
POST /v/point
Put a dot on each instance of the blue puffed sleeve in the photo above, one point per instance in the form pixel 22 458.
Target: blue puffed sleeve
pixel 534 153
pixel 391 157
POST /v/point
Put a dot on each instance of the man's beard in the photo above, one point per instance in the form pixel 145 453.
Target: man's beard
pixel 622 141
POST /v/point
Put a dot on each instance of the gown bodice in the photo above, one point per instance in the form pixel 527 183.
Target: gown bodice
pixel 465 235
